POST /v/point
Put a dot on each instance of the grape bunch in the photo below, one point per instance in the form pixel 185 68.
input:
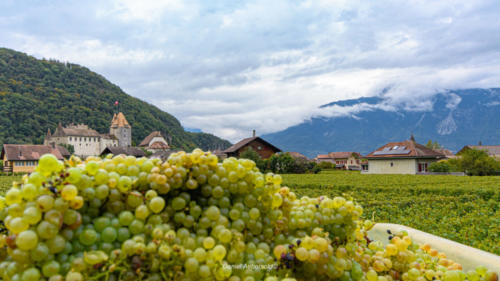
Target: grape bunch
pixel 194 218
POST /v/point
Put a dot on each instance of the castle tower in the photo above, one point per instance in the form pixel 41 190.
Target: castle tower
pixel 121 129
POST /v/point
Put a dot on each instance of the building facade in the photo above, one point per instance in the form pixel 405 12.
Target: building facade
pixel 88 142
pixel 23 158
pixel 155 142
pixel 347 160
pixel 259 145
pixel 121 129
pixel 407 157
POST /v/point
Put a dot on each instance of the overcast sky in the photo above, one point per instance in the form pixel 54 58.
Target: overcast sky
pixel 228 67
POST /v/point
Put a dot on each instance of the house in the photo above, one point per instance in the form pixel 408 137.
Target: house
pixel 87 141
pixel 262 147
pixel 492 150
pixel 23 158
pixel 406 157
pixel 154 142
pixel 347 160
pixel 324 158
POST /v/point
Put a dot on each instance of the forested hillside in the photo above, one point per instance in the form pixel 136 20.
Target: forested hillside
pixel 35 95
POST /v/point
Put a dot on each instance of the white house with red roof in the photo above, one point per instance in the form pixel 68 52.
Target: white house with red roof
pixel 406 157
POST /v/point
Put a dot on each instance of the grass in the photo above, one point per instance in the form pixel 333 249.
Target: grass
pixel 464 209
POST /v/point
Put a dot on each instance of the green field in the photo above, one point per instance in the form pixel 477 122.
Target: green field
pixel 463 209
pixel 6 182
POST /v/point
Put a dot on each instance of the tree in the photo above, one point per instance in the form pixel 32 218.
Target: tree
pixel 440 166
pixel 433 145
pixel 476 162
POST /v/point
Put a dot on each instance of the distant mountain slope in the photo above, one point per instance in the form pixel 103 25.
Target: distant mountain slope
pixel 457 118
pixel 37 94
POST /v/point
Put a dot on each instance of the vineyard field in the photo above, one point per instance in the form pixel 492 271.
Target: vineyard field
pixel 6 182
pixel 463 209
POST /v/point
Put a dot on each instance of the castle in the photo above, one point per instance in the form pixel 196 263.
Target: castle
pixel 88 142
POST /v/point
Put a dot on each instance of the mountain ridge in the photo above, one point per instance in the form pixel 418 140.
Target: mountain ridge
pixel 455 118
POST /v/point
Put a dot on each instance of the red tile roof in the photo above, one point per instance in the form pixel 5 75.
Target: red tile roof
pixel 20 152
pixel 343 154
pixel 323 156
pixel 145 142
pixel 404 149
pixel 119 120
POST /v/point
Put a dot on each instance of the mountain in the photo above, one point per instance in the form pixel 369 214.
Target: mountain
pixel 452 118
pixel 36 95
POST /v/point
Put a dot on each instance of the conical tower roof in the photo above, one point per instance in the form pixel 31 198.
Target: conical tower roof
pixel 119 120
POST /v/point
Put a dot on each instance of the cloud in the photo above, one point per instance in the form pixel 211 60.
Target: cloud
pixel 228 67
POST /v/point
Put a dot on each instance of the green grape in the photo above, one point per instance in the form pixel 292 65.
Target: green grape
pixel 191 265
pixel 92 168
pixel 101 223
pixel 126 218
pixel 40 252
pixel 75 174
pixel 124 183
pixel 102 192
pixel 13 196
pixel 31 274
pixel 219 252
pixel 45 202
pixel 178 203
pixel 27 240
pixel 74 276
pixel 50 268
pixel 56 244
pixel 136 226
pixel 29 191
pixel 70 217
pixel 88 237
pixel 109 234
pixel 123 234
pixel 142 212
pixel 18 225
pixel 36 179
pixel 156 204
pixel 213 213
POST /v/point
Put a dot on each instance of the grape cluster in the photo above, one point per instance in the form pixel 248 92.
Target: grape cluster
pixel 193 218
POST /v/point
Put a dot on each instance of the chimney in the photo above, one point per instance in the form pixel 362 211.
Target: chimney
pixel 253 133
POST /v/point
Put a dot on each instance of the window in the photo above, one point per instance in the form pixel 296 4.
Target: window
pixel 422 167
pixel 392 164
pixel 69 138
pixel 259 147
